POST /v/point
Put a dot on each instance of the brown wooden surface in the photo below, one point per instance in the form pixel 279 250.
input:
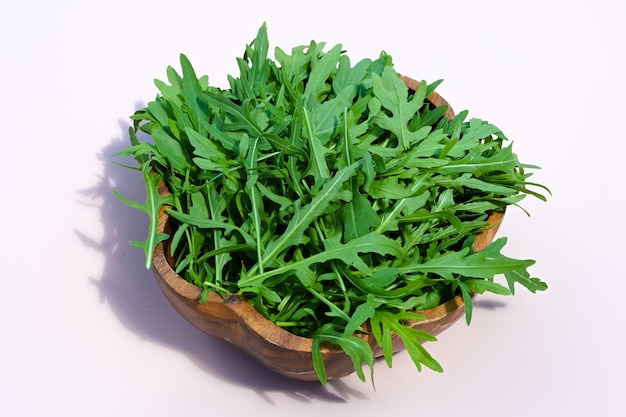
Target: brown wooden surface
pixel 234 320
pixel 434 98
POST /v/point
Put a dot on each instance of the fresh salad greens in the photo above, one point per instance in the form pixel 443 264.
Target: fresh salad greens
pixel 328 194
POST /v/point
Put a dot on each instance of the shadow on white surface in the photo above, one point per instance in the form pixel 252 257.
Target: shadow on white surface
pixel 489 304
pixel 134 297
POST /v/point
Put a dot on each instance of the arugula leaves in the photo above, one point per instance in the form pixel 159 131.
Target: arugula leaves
pixel 328 194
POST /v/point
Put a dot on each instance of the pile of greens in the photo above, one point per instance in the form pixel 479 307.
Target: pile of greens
pixel 328 195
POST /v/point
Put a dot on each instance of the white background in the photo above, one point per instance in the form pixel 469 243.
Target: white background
pixel 85 330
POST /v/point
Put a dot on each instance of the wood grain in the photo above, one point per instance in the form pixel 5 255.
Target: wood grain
pixel 234 320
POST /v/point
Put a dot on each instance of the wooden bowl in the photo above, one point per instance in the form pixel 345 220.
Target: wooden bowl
pixel 234 320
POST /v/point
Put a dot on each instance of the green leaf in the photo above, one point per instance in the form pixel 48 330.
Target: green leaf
pixel 193 95
pixel 240 113
pixel 349 77
pixel 255 200
pixel 522 276
pixel 392 93
pixel 481 286
pixel 384 323
pixel 417 196
pixel 478 165
pixel 362 314
pixel 467 301
pixel 378 281
pixel 259 58
pixel 158 110
pixel 219 240
pixel 356 348
pixel 205 147
pixel 322 66
pixel 318 167
pixel 326 116
pixel 466 180
pixel 209 224
pixel 303 217
pixel 175 151
pixel 154 202
pixel 359 217
pixel 483 264
pixel 334 250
